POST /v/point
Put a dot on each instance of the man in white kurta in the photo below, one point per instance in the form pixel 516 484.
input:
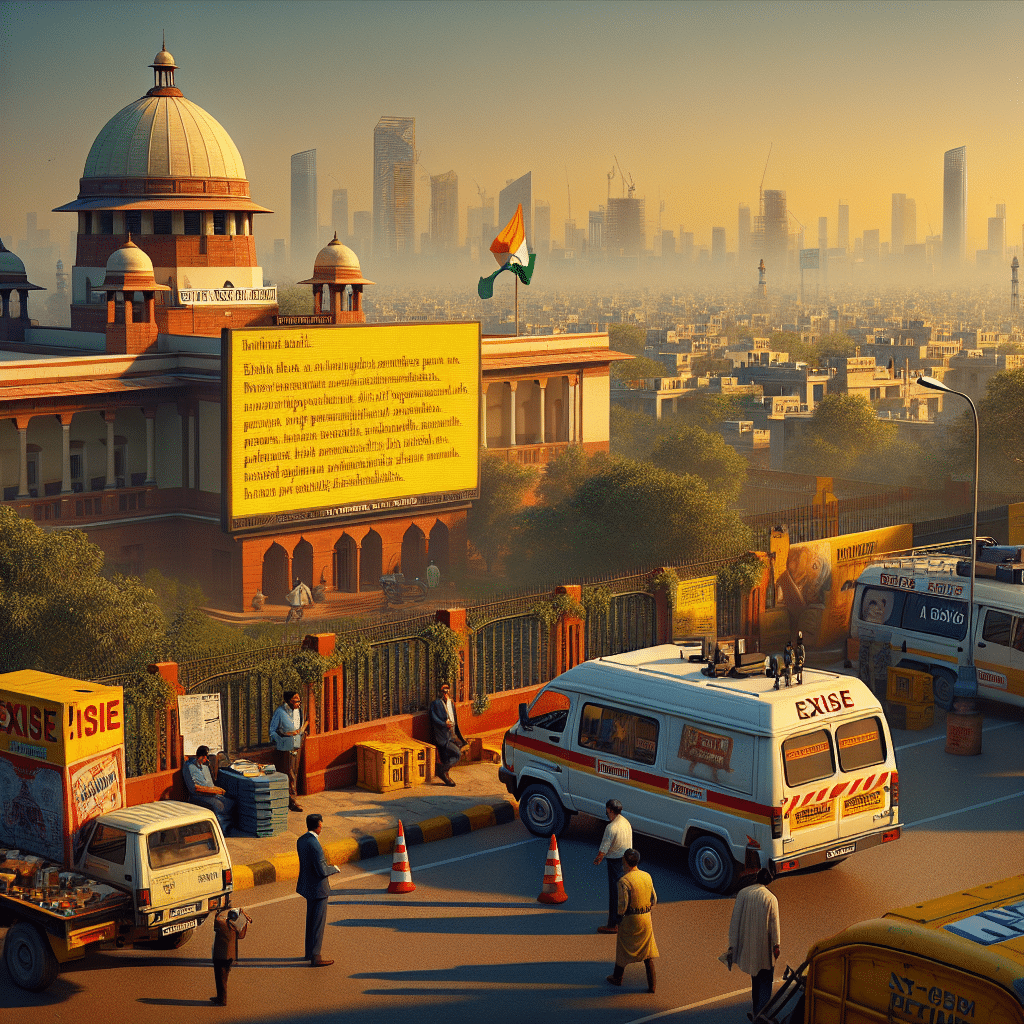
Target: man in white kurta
pixel 754 937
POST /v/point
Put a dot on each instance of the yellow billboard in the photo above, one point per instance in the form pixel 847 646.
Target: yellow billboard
pixel 810 585
pixel 354 420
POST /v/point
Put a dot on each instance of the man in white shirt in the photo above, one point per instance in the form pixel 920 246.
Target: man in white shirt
pixel 617 839
pixel 754 937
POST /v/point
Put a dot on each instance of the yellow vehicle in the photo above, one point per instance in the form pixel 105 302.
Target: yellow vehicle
pixel 958 959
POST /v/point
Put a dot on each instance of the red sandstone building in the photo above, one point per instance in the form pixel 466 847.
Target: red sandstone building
pixel 114 426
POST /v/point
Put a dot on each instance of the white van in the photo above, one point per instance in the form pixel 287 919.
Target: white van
pixel 912 612
pixel 739 773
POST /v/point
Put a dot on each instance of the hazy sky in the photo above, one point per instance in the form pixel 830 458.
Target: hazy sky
pixel 858 100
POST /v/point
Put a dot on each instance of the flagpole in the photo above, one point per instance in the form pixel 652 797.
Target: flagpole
pixel 516 276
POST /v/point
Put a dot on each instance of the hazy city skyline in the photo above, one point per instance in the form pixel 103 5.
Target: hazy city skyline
pixel 857 102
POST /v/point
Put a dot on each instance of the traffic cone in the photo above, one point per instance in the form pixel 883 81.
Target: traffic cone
pixel 401 876
pixel 552 891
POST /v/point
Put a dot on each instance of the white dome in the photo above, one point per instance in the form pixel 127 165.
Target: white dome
pixel 129 259
pixel 166 137
pixel 336 254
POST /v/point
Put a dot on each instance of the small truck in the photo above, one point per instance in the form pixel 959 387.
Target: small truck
pixel 146 874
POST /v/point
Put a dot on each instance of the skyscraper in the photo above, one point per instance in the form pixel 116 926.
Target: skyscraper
pixel 954 206
pixel 339 213
pixel 394 157
pixel 843 241
pixel 909 222
pixel 718 245
pixel 514 193
pixel 743 243
pixel 776 231
pixel 997 232
pixel 444 212
pixel 896 236
pixel 625 227
pixel 542 228
pixel 304 221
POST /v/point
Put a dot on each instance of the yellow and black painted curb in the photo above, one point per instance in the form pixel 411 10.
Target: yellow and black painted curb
pixel 286 866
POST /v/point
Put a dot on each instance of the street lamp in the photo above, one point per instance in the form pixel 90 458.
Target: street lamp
pixel 967 675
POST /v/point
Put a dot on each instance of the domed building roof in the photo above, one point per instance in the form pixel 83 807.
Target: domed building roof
pixel 336 263
pixel 130 268
pixel 12 271
pixel 163 145
pixel 165 137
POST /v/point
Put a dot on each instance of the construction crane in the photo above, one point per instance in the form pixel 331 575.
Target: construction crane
pixel 625 185
pixel 610 175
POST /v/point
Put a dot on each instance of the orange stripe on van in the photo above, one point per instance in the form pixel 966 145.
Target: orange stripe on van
pixel 645 780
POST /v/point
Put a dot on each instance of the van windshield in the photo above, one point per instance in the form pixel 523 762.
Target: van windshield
pixel 182 843
pixel 550 711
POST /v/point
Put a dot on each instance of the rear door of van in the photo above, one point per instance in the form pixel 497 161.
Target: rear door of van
pixel 810 818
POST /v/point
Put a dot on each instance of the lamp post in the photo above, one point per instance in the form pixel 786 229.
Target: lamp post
pixel 967 675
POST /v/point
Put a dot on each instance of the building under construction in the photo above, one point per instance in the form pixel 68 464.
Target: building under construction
pixel 624 231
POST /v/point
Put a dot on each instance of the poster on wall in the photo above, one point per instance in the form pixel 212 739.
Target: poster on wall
pixel 812 583
pixel 200 722
pixel 695 610
pixel 31 807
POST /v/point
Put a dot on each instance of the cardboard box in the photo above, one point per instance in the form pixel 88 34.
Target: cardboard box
pixel 909 686
pixel 383 767
pixel 910 716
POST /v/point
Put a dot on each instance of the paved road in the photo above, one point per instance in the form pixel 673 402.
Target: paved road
pixel 472 940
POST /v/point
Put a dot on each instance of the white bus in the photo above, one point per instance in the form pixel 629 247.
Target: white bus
pixel 912 612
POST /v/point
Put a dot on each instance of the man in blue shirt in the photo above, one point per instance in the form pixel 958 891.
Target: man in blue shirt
pixel 286 729
pixel 203 791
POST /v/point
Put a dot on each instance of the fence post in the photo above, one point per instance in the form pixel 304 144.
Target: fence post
pixel 663 610
pixel 455 620
pixel 567 634
pixel 168 720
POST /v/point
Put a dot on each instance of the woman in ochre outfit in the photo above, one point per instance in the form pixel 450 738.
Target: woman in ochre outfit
pixel 634 941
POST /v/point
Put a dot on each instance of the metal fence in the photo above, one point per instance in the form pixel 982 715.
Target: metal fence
pixel 630 623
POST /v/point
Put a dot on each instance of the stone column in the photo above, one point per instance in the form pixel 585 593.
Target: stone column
pixel 109 416
pixel 150 415
pixel 512 413
pixel 543 385
pixel 65 452
pixel 571 411
pixel 21 422
pixel 483 415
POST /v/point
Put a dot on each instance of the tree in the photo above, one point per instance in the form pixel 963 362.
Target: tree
pixel 1001 418
pixel 835 346
pixel 566 472
pixel 628 517
pixel 633 434
pixel 59 614
pixel 640 368
pixel 191 634
pixel 707 409
pixel 492 519
pixel 295 301
pixel 627 338
pixel 704 454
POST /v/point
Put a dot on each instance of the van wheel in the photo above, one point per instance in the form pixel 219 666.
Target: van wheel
pixel 942 686
pixel 711 864
pixel 28 958
pixel 541 811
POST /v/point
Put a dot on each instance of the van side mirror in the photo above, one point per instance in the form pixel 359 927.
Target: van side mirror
pixel 524 719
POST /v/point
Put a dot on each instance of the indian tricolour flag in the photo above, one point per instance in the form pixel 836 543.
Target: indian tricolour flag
pixel 509 249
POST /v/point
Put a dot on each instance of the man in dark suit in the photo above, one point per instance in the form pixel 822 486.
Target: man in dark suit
pixel 314 887
pixel 444 722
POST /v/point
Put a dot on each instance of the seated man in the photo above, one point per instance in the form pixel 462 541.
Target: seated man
pixel 202 790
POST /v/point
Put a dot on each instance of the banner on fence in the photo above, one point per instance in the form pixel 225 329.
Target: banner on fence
pixel 200 722
pixel 813 583
pixel 695 612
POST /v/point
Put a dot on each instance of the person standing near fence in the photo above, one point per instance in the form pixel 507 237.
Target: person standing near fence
pixel 444 723
pixel 286 729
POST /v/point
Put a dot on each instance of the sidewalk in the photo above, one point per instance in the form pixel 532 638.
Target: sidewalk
pixel 359 824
